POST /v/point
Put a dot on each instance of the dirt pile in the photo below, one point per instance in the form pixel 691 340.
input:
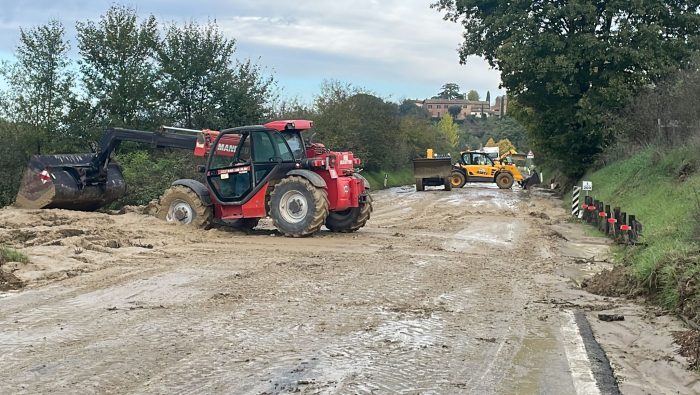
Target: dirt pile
pixel 614 282
pixel 62 243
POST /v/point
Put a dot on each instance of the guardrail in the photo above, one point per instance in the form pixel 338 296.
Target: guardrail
pixel 614 222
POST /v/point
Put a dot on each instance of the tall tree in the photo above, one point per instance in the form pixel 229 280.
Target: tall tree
pixel 450 91
pixel 118 67
pixel 572 64
pixel 488 96
pixel 249 96
pixel 449 131
pixel 473 95
pixel 40 82
pixel 195 66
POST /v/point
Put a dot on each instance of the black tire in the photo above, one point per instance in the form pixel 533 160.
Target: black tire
pixel 297 207
pixel 457 179
pixel 180 204
pixel 504 180
pixel 448 184
pixel 349 220
pixel 419 184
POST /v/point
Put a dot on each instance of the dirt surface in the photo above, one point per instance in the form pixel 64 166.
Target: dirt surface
pixel 469 291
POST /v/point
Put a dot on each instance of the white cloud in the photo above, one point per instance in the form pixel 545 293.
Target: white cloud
pixel 398 48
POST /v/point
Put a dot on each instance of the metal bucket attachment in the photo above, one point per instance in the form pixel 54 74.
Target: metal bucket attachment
pixel 69 182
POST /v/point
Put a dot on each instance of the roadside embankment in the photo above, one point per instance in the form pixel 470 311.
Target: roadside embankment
pixel 662 188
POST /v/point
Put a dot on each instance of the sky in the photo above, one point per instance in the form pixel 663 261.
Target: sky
pixel 397 49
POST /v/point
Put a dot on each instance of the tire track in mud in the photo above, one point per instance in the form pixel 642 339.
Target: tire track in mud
pixel 387 309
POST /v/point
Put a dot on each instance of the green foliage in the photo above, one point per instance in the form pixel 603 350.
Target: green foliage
pixel 395 178
pixel 11 255
pixel 449 131
pixel 646 186
pixel 571 66
pixel 148 174
pixel 454 111
pixel 39 84
pixel 14 155
pixel 449 91
pixel 473 95
pixel 118 69
pixel 476 132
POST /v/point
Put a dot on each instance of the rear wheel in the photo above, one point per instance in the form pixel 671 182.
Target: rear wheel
pixel 351 219
pixel 457 179
pixel 504 180
pixel 419 184
pixel 297 207
pixel 181 205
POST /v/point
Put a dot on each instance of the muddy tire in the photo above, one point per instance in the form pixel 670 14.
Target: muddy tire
pixel 419 184
pixel 349 220
pixel 297 207
pixel 180 204
pixel 504 180
pixel 448 184
pixel 457 179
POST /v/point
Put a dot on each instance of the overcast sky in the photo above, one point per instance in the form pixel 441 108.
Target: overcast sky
pixel 395 48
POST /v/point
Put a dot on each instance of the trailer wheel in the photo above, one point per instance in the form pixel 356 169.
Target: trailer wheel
pixel 419 184
pixel 457 179
pixel 504 180
pixel 350 220
pixel 297 207
pixel 180 204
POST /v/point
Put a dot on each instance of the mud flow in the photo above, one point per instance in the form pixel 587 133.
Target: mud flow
pixel 471 291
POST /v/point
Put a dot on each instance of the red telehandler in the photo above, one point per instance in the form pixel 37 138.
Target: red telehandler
pixel 251 172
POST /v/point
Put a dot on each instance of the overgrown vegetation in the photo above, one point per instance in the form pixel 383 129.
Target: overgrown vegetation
pixel 570 67
pixel 11 255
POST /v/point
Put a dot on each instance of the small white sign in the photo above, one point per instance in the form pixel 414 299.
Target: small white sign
pixel 530 155
pixel 587 185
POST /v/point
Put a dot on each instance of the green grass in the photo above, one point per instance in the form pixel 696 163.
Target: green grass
pixel 650 186
pixel 11 255
pixel 396 178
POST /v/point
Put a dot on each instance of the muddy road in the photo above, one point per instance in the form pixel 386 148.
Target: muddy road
pixel 473 291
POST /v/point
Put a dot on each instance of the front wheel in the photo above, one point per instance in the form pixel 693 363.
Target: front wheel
pixel 180 204
pixel 504 180
pixel 457 179
pixel 297 207
pixel 349 220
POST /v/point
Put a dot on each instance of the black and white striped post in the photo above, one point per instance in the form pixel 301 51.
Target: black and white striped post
pixel 575 208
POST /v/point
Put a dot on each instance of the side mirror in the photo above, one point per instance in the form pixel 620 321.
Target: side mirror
pixel 200 169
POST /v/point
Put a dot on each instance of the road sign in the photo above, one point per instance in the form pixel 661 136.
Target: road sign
pixel 530 155
pixel 587 186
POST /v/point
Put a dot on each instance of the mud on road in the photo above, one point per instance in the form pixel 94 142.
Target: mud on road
pixel 473 291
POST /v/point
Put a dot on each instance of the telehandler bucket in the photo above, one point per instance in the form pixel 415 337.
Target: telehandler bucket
pixel 69 181
pixel 87 182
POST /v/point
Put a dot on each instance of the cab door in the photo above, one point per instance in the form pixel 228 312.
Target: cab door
pixel 229 171
pixel 479 167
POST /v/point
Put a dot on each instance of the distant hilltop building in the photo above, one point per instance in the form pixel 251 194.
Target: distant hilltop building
pixel 439 107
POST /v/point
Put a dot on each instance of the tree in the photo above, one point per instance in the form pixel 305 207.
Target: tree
pixel 449 91
pixel 454 111
pixel 572 66
pixel 504 145
pixel 488 96
pixel 118 67
pixel 40 83
pixel 249 97
pixel 449 131
pixel 490 143
pixel 409 108
pixel 473 95
pixel 195 67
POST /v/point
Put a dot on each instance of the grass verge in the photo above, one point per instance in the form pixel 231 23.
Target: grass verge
pixel 395 178
pixel 660 188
